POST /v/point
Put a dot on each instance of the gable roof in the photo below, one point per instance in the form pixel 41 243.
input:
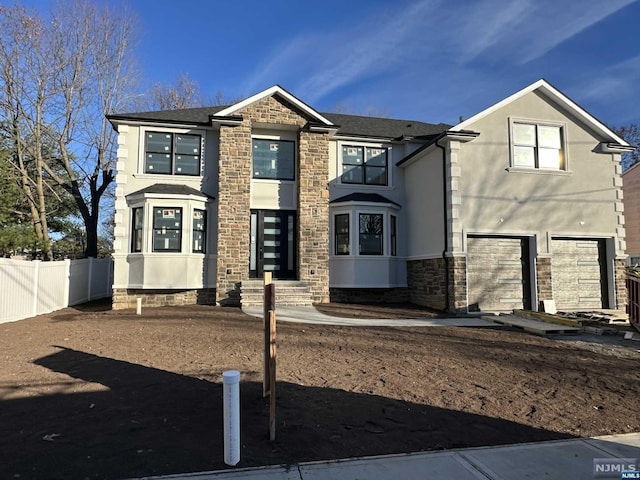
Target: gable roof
pixel 364 197
pixel 555 95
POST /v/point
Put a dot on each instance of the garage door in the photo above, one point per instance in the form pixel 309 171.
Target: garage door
pixel 496 273
pixel 576 272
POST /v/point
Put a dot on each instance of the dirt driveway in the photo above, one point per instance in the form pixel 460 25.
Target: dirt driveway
pixel 92 393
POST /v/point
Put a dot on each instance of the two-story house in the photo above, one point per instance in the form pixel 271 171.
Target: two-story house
pixel 518 204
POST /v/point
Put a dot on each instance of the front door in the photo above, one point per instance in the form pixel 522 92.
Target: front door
pixel 273 244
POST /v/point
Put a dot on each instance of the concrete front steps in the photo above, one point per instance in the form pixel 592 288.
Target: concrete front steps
pixel 288 293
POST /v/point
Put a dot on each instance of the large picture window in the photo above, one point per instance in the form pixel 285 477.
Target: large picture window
pixel 167 229
pixel 364 165
pixel 199 231
pixel 342 234
pixel 537 146
pixel 137 223
pixel 370 238
pixel 273 159
pixel 172 153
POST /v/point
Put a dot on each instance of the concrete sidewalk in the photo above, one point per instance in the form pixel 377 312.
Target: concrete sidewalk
pixel 311 315
pixel 556 460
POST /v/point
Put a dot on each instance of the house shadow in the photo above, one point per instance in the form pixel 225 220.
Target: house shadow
pixel 112 419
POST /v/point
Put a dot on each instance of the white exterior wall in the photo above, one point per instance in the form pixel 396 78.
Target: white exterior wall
pixel 142 270
pixel 585 201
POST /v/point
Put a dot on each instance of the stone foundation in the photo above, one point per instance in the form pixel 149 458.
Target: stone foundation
pixel 427 282
pixel 127 298
pixel 457 271
pixel 544 281
pixel 369 295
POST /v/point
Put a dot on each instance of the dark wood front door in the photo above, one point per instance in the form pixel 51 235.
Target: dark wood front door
pixel 273 244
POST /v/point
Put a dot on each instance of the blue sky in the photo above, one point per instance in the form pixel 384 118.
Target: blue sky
pixel 429 60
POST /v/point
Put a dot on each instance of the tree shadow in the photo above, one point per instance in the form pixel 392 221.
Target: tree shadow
pixel 127 420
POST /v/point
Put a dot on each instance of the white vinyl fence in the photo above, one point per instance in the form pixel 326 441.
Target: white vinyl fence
pixel 33 288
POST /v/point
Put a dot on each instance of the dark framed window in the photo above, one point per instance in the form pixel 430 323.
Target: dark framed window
pixel 172 153
pixel 167 229
pixel 364 165
pixel 341 230
pixel 370 238
pixel 393 235
pixel 537 146
pixel 199 227
pixel 137 223
pixel 273 159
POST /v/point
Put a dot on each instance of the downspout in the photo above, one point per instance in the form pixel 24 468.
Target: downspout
pixel 445 225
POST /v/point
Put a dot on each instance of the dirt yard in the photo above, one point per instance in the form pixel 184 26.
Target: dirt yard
pixel 92 393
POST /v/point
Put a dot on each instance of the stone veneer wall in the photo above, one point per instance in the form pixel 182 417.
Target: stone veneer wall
pixel 621 285
pixel 544 280
pixel 313 214
pixel 457 284
pixel 127 298
pixel 426 280
pixel 369 295
pixel 234 201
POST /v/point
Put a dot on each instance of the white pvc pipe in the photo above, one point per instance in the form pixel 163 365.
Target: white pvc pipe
pixel 138 306
pixel 231 416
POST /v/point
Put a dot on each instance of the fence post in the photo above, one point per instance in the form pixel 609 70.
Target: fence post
pixel 36 280
pixel 90 277
pixel 67 282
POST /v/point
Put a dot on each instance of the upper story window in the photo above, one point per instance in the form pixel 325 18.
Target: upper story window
pixel 538 146
pixel 364 165
pixel 273 159
pixel 172 153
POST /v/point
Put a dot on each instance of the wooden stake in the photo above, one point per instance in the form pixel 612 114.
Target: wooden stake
pixel 272 375
pixel 268 305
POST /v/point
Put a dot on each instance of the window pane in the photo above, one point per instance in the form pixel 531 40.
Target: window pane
pixel 273 159
pixel 376 175
pixel 376 157
pixel 158 142
pixel 351 174
pixel 187 165
pixel 342 234
pixel 188 144
pixel 199 231
pixel 370 234
pixel 524 134
pixel 394 236
pixel 136 230
pixel 524 157
pixel 549 158
pixel 158 163
pixel 549 136
pixel 352 155
pixel 167 229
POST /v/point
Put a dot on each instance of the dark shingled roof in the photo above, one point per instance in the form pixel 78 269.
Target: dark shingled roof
pixel 170 189
pixel 354 125
pixel 364 197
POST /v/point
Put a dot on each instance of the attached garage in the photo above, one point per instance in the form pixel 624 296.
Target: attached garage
pixel 578 272
pixel 498 273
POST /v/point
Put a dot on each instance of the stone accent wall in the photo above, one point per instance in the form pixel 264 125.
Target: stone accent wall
pixel 427 282
pixel 457 271
pixel 544 280
pixel 369 295
pixel 621 286
pixel 234 201
pixel 127 298
pixel 313 214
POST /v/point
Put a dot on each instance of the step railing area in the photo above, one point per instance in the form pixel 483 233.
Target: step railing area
pixel 30 288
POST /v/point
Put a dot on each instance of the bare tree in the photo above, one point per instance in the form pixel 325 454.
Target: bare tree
pixel 61 75
pixel 631 133
pixel 184 93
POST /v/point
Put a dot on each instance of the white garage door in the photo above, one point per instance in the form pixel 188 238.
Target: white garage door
pixel 576 272
pixel 496 273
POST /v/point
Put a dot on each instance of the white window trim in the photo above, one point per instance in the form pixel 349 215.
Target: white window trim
pixel 536 122
pixel 364 186
pixel 140 173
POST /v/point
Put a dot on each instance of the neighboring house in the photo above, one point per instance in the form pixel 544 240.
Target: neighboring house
pixel 518 204
pixel 631 190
